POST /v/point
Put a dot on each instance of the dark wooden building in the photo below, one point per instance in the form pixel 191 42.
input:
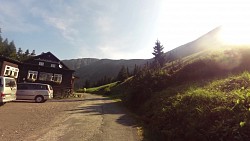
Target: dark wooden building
pixel 47 68
pixel 9 67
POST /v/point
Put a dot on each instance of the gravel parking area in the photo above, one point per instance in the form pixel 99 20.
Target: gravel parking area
pixel 21 119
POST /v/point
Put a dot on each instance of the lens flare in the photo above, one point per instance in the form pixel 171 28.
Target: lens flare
pixel 235 35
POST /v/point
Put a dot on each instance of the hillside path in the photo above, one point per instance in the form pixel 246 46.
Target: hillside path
pixel 97 118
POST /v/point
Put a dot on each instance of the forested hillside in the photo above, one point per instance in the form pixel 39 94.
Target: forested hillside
pixel 75 64
pixel 93 70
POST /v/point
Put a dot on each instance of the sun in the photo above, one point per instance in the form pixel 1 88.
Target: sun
pixel 238 34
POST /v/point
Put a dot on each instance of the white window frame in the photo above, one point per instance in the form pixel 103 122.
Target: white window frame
pixel 32 75
pixel 7 70
pixel 41 64
pixel 11 71
pixel 58 78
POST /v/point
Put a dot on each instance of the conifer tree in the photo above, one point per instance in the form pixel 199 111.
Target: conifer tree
pixel 158 54
pixel 20 54
pixel 12 50
pixel 33 53
pixel 123 74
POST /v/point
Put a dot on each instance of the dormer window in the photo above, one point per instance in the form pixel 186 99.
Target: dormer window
pixel 53 65
pixel 41 63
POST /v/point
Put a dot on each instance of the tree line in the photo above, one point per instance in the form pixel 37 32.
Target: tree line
pixel 8 49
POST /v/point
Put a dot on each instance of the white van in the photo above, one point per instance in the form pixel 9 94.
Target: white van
pixel 34 91
pixel 8 89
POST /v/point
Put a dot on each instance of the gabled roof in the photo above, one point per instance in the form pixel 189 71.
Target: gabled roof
pixel 47 57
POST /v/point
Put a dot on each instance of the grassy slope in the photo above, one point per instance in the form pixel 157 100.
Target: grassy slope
pixel 201 98
pixel 217 110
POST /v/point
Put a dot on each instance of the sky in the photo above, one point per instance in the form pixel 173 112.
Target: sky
pixel 116 29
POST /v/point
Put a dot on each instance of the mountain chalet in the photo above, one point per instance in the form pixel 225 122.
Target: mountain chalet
pixel 45 68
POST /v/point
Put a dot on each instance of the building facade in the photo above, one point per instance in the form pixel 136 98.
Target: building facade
pixel 47 68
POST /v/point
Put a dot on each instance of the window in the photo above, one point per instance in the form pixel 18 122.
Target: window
pixel 41 63
pixel 10 82
pixel 11 71
pixel 7 71
pixel 32 75
pixel 53 65
pixel 45 76
pixel 29 86
pixel 58 78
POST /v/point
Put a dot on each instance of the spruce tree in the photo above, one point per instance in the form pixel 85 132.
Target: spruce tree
pixel 123 74
pixel 33 53
pixel 158 54
pixel 20 54
pixel 12 50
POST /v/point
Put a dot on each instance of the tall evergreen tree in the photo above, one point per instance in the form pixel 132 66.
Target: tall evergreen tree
pixel 20 54
pixel 27 52
pixel 33 53
pixel 158 54
pixel 12 50
pixel 87 84
pixel 136 70
pixel 1 45
pixel 5 45
pixel 128 72
pixel 123 74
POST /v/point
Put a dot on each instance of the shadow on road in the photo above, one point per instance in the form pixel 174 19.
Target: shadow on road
pixel 106 107
pixel 75 99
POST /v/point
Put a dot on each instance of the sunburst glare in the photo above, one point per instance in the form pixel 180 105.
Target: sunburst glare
pixel 235 34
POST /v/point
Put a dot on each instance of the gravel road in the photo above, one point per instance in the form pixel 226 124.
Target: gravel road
pixel 92 118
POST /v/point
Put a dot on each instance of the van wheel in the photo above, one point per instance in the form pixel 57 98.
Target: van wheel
pixel 39 99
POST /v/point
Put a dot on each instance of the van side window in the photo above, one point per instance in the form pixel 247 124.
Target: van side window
pixel 42 87
pixel 31 86
pixel 22 87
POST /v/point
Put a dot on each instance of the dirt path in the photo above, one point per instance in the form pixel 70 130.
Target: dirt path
pixel 94 118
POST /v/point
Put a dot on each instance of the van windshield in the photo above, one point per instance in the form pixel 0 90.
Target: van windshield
pixel 50 88
pixel 1 83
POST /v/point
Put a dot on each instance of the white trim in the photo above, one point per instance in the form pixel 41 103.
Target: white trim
pixel 11 71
